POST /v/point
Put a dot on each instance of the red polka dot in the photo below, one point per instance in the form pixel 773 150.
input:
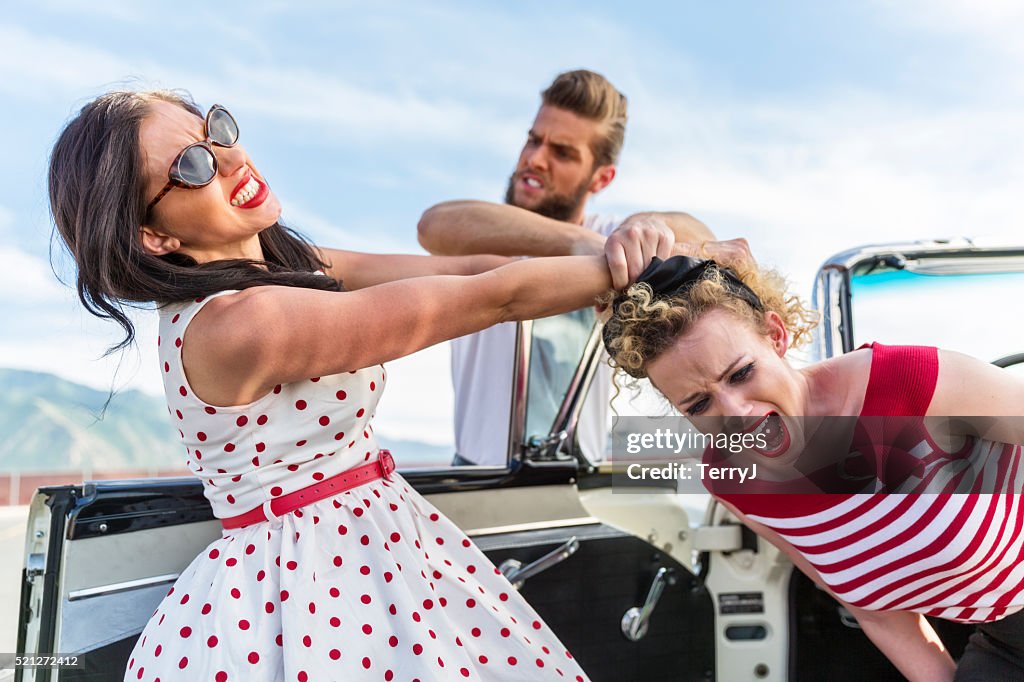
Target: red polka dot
pixel 464 672
pixel 417 649
pixel 201 436
pixel 357 511
pixel 342 529
pixel 229 447
pixel 388 676
pixel 242 421
pixel 318 476
pixel 335 592
pixel 292 565
pixel 300 443
pixel 212 641
pixel 365 570
pixel 503 596
pixel 367 630
pixel 185 631
pixel 243 624
pixel 307 641
pixel 428 604
pixel 360 412
pixel 210 410
pixel 231 561
pixel 302 676
pixel 482 659
pixel 177 316
pixel 505 632
pixel 341 395
pixel 475 632
pixel 230 498
pixel 512 660
pixel 277 389
pixel 540 663
pixel 434 517
pixel 300 404
pixel 365 540
pixel 236 593
pixel 335 622
pixel 334 654
pixel 159 649
pixel 366 662
pixel 365 599
pixel 276 490
pixel 269 607
pixel 536 625
pixel 261 420
pixel 221 676
pixel 325 420
pixel 337 561
pixel 388 576
pixel 315 379
pixel 207 608
pixel 254 657
pixel 393 641
pixel 260 447
pixel 373 386
pixel 177 342
pixel 312 607
pixel 470 603
pixel 183 662
pixel 167 368
pixel 182 391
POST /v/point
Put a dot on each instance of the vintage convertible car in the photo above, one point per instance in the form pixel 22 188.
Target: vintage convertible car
pixel 641 584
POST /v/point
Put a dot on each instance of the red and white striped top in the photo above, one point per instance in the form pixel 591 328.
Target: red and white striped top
pixel 954 555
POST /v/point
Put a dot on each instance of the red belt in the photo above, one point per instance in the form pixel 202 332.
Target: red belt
pixel 279 506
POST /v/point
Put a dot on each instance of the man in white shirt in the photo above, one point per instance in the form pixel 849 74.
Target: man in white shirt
pixel 570 154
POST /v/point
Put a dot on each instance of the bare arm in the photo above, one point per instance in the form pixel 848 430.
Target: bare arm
pixel 989 397
pixel 464 227
pixel 359 270
pixel 907 639
pixel 240 346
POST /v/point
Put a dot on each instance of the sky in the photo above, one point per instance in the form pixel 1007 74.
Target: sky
pixel 805 127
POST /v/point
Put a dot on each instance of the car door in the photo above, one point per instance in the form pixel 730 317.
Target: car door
pixel 617 586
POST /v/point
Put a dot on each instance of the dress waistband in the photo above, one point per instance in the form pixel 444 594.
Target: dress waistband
pixel 346 480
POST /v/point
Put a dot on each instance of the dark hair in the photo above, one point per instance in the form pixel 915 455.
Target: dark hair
pixel 592 96
pixel 96 185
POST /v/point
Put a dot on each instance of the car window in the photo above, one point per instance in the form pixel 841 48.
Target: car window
pixel 977 314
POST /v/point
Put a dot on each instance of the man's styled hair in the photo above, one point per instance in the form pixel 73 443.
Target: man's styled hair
pixel 590 95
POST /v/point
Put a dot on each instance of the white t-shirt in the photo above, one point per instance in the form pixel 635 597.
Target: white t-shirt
pixel 482 366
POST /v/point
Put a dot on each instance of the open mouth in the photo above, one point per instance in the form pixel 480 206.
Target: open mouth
pixel 531 182
pixel 249 193
pixel 771 437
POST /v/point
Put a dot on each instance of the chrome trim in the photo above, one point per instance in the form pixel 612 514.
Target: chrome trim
pixel 569 413
pixel 122 586
pixel 537 525
pixel 832 296
pixel 520 388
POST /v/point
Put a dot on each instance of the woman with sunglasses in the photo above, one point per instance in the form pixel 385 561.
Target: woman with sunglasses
pixel 330 566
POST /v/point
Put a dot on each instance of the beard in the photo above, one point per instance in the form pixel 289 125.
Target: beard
pixel 555 206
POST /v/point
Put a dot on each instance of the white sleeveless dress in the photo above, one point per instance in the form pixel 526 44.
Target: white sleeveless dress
pixel 372 584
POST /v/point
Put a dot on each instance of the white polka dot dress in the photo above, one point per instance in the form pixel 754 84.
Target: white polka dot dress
pixel 371 584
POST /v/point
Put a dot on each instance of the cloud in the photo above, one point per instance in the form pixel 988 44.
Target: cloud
pixel 25 279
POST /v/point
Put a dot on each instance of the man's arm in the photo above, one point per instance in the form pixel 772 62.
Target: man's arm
pixel 686 228
pixel 456 228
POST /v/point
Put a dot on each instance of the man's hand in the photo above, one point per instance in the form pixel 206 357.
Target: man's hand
pixel 630 248
pixel 729 253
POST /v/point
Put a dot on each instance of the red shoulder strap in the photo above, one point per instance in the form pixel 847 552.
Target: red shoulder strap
pixel 902 380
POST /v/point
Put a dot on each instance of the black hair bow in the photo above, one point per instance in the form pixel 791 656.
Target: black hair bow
pixel 674 276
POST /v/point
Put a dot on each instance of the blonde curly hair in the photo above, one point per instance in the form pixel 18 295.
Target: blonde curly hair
pixel 644 324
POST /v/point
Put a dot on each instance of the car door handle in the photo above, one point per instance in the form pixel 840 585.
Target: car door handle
pixel 517 574
pixel 636 620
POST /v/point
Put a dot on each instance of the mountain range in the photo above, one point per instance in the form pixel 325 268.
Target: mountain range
pixel 50 424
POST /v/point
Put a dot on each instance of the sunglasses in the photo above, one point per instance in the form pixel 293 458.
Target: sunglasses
pixel 196 165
